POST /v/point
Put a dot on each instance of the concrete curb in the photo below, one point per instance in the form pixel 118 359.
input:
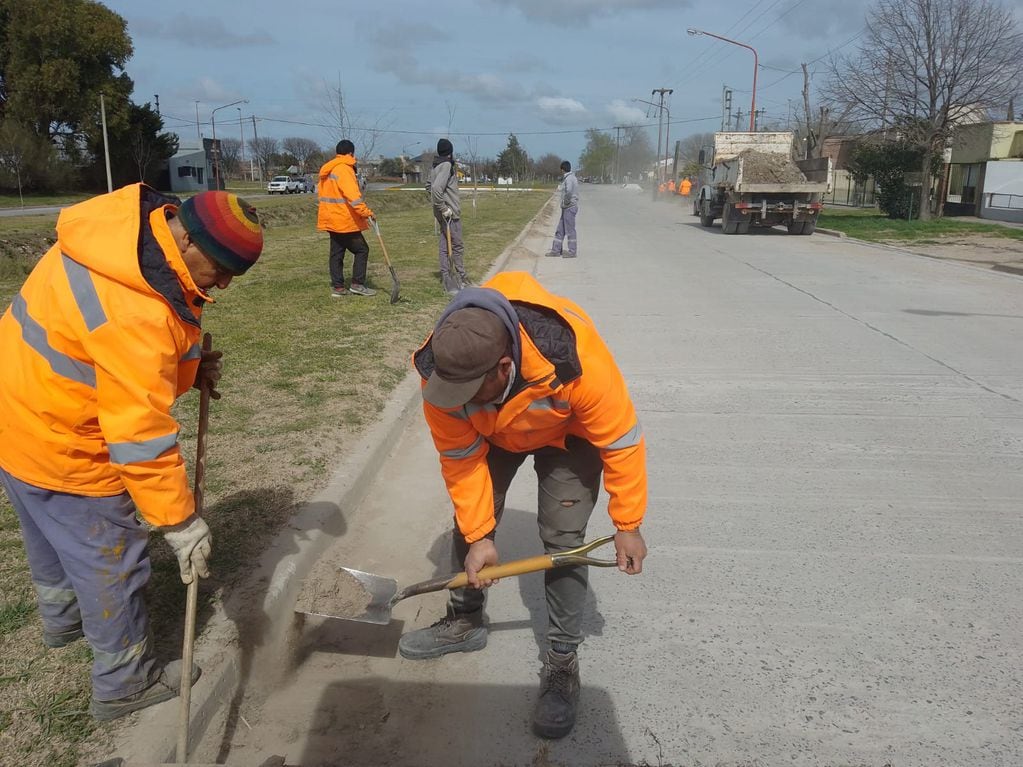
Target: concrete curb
pixel 253 626
pixel 832 233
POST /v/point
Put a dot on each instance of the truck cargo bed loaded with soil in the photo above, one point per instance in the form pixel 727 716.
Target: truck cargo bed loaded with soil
pixel 754 181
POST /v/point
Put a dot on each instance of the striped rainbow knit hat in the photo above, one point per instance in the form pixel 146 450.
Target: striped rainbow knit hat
pixel 225 228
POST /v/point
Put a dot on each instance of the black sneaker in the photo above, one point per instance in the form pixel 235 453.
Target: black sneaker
pixel 456 632
pixel 554 715
pixel 552 254
pixel 166 686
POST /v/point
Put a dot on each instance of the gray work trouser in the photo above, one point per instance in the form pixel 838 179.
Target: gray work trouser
pixel 566 231
pixel 457 248
pixel 89 561
pixel 569 481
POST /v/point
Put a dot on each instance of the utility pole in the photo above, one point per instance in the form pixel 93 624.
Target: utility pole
pixel 618 148
pixel 241 126
pixel 738 118
pixel 659 177
pixel 726 107
pixel 157 97
pixel 255 139
pixel 198 133
pixel 106 146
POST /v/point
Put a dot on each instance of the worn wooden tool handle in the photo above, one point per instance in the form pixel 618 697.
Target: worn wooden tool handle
pixel 508 569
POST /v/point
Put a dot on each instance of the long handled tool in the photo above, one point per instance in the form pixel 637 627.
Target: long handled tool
pixel 451 284
pixel 192 598
pixel 395 285
pixel 373 596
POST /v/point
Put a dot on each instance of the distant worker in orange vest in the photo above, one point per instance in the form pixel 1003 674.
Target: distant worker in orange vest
pixel 684 186
pixel 671 186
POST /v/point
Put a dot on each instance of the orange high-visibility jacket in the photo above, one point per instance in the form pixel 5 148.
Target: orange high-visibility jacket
pixel 685 185
pixel 342 208
pixel 101 340
pixel 567 384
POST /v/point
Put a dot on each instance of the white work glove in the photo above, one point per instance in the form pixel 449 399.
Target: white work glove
pixel 192 543
pixel 447 213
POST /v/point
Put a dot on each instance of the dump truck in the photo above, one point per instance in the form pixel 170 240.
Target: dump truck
pixel 754 180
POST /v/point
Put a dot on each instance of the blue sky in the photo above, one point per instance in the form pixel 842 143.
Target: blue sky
pixel 476 70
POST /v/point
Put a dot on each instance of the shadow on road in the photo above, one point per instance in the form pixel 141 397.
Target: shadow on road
pixel 369 722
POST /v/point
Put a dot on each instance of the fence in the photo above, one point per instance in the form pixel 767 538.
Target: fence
pixel 846 191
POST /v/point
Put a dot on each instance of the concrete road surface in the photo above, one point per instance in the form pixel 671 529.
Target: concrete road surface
pixel 835 439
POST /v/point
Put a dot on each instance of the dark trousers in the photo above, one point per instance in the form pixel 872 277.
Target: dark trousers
pixel 356 243
pixel 89 560
pixel 569 481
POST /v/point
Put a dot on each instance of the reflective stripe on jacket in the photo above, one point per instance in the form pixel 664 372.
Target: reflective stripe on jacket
pixel 341 208
pixel 97 345
pixel 567 383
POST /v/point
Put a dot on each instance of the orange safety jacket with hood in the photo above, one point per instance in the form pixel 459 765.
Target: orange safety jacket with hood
pixel 342 208
pixel 97 345
pixel 566 383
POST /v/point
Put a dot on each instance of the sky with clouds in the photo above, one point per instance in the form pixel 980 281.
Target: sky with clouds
pixel 476 70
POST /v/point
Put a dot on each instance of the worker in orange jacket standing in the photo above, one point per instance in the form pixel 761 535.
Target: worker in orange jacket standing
pixel 510 371
pixel 345 216
pixel 685 186
pixel 97 345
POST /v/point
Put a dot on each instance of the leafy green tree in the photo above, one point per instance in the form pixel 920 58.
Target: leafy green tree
pixel 138 147
pixel 390 166
pixel 513 161
pixel 548 167
pixel 891 164
pixel 27 162
pixel 56 58
pixel 598 157
pixel 634 152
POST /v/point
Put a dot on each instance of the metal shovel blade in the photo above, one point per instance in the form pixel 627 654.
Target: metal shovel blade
pixel 354 596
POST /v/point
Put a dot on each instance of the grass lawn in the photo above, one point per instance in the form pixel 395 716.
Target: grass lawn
pixel 41 200
pixel 873 226
pixel 304 373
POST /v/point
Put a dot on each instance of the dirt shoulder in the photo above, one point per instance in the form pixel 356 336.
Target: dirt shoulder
pixel 997 253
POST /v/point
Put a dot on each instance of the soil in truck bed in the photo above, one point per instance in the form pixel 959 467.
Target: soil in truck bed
pixel 765 168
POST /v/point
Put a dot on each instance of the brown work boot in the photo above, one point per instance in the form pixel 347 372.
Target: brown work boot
pixel 554 715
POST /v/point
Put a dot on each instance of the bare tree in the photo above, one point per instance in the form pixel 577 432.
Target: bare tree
pixel 342 124
pixel 828 119
pixel 230 154
pixel 302 149
pixel 925 66
pixel 264 149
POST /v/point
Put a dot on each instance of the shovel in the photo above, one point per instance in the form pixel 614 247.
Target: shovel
pixel 395 285
pixel 377 594
pixel 451 284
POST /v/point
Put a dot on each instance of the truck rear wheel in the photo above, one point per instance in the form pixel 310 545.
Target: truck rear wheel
pixel 809 227
pixel 795 227
pixel 728 223
pixel 706 217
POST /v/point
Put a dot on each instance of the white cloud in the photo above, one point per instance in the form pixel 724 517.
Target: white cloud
pixel 560 105
pixel 581 12
pixel 197 31
pixel 624 113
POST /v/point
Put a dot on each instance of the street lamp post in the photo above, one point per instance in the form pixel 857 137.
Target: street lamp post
pixel 216 153
pixel 756 66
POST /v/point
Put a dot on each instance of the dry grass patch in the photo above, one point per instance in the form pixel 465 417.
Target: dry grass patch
pixel 304 373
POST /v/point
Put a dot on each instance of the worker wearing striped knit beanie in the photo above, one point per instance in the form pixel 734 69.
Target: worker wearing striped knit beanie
pixel 225 228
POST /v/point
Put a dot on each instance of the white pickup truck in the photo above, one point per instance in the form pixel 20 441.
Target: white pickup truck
pixel 284 185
